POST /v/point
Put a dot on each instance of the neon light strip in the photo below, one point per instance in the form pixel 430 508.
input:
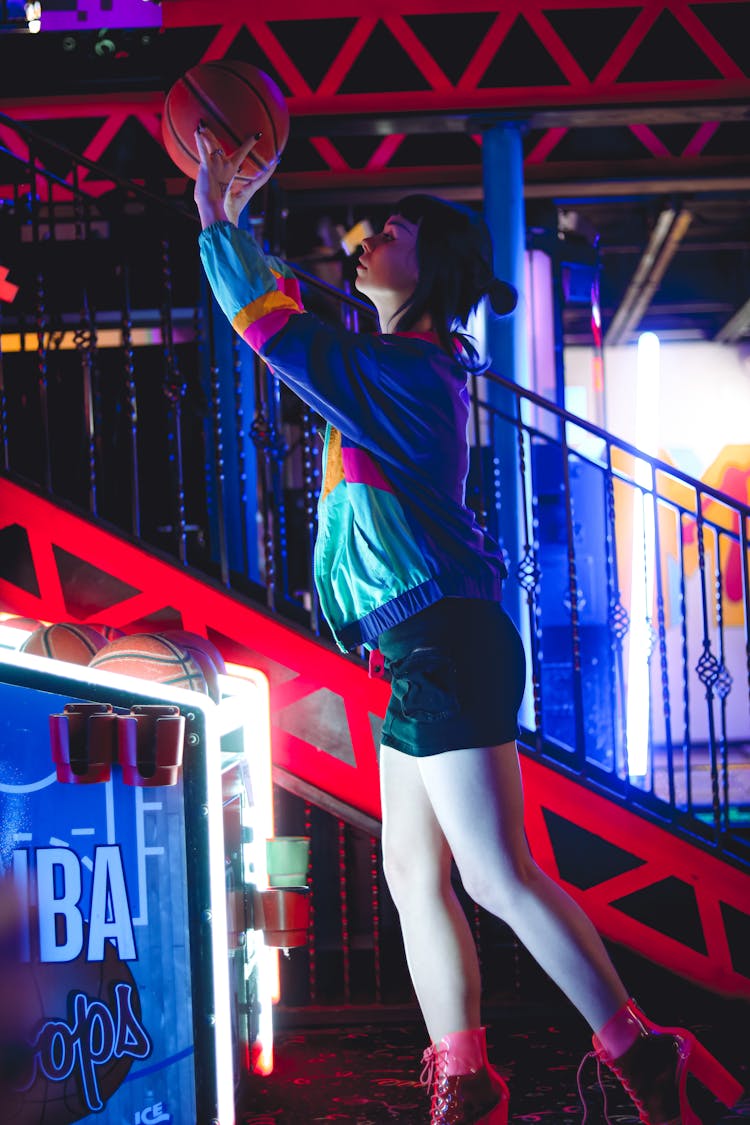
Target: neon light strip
pixel 252 688
pixel 219 927
pixel 643 561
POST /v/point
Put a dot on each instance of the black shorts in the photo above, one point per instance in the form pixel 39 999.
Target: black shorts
pixel 458 672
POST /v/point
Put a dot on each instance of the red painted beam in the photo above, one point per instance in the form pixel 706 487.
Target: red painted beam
pixel 322 701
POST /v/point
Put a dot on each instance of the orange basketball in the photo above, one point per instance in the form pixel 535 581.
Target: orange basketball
pixel 204 652
pixel 24 623
pixel 65 641
pixel 151 657
pixel 235 100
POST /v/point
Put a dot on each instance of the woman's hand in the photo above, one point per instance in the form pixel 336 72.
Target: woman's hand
pixel 220 193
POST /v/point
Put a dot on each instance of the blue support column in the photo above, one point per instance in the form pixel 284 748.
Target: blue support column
pixel 504 213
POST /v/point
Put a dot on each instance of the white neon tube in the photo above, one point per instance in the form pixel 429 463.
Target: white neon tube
pixel 642 571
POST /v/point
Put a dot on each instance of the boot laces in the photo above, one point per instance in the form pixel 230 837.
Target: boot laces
pixel 429 1062
pixel 433 1071
pixel 602 1087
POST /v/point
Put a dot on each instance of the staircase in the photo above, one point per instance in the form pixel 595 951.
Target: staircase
pixel 155 475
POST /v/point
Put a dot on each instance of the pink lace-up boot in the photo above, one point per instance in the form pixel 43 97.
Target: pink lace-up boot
pixel 465 1088
pixel 653 1064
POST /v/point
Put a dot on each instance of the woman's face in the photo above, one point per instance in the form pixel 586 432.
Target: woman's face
pixel 388 263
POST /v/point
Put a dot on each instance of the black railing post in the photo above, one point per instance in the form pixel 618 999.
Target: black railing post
pixel 528 573
pixel 239 431
pixel 218 445
pixel 686 721
pixel 174 391
pixel 311 493
pixel 263 438
pixel 42 326
pixel 85 342
pixel 618 622
pixel 131 400
pixel 708 671
pixel 572 604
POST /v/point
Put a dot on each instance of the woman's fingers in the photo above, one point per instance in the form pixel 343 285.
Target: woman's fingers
pixel 212 153
pixel 205 140
pixel 221 190
pixel 246 148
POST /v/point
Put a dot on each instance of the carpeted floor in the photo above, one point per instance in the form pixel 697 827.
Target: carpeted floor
pixel 367 1073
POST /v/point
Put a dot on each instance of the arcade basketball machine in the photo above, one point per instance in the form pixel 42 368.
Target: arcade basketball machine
pixel 138 934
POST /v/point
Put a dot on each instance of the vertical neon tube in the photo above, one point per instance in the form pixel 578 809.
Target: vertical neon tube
pixel 642 572
pixel 257 741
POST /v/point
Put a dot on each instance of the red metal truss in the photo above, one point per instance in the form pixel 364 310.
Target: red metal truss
pixel 576 87
pixel 644 887
pixel 361 45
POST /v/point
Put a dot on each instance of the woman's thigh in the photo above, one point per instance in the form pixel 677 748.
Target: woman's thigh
pixel 476 796
pixel 415 851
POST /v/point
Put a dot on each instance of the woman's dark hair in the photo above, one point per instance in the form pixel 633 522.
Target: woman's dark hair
pixel 454 258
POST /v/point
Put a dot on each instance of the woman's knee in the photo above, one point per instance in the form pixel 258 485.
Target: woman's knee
pixel 411 872
pixel 401 870
pixel 501 888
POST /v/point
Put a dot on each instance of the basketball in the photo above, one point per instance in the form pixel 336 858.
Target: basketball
pixel 205 652
pixel 47 1091
pixel 66 641
pixel 235 100
pixel 151 657
pixel 27 624
pixel 15 630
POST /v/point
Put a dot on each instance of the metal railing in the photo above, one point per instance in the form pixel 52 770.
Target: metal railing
pixel 124 393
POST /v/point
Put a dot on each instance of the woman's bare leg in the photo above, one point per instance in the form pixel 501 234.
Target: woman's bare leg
pixel 440 950
pixel 477 797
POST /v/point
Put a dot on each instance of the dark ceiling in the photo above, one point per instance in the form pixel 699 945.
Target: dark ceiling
pixel 635 120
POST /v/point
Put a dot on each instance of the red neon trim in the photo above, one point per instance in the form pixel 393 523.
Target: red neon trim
pixel 384 152
pixel 545 145
pixel 663 854
pixel 333 158
pixel 700 138
pixel 349 51
pixel 649 140
pixel 418 53
pixel 14 143
pixel 552 42
pixel 72 105
pixel 487 49
pixel 276 54
pixel 195 13
pixel 104 136
pixel 313 666
pixel 627 46
pixel 703 39
pixel 222 40
pixel 164 584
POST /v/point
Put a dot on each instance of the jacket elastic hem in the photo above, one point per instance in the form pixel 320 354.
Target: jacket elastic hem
pixel 367 629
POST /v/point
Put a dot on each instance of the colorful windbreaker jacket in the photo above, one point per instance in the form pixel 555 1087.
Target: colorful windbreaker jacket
pixel 394 531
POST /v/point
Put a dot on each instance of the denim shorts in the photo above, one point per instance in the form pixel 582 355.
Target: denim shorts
pixel 457 673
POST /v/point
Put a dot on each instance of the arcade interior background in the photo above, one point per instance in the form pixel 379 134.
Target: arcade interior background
pixel 156 480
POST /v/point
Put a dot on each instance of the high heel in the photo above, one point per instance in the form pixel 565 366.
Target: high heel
pixel 465 1088
pixel 654 1069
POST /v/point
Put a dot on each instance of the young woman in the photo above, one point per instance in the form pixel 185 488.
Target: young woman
pixel 401 566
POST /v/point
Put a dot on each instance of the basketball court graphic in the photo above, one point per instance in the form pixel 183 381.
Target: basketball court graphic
pixel 114 962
